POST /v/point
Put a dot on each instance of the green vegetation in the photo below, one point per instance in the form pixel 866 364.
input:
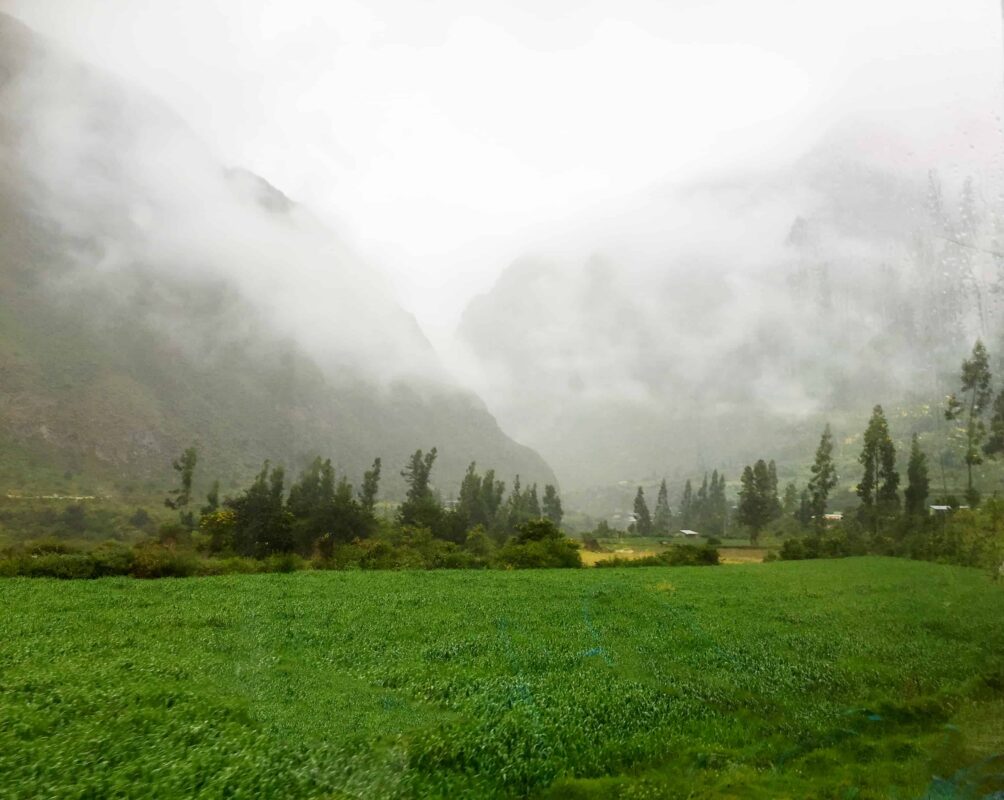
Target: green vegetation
pixel 318 523
pixel 865 678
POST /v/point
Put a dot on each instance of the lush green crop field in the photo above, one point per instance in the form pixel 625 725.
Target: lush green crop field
pixel 854 678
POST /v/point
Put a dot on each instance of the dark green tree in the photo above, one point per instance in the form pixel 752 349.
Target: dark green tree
pixel 717 506
pixel 421 507
pixel 516 507
pixel 823 480
pixel 262 525
pixel 552 505
pixel 775 502
pixel 918 486
pixel 976 396
pixel 994 445
pixel 642 518
pixel 790 501
pixel 699 508
pixel 326 512
pixel 533 503
pixel 179 498
pixel 492 495
pixel 755 499
pixel 662 519
pixel 370 488
pixel 804 513
pixel 469 498
pixel 879 485
pixel 687 505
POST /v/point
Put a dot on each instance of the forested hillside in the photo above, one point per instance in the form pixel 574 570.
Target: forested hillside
pixel 151 298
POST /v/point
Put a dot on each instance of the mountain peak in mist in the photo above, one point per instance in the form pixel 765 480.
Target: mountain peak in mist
pixel 153 298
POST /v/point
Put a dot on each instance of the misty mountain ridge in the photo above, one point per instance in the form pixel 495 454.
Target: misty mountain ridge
pixel 150 297
pixel 723 321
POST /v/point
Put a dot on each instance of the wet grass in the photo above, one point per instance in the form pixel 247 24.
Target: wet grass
pixel 845 678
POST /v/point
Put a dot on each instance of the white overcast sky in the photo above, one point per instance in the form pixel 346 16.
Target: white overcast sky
pixel 443 139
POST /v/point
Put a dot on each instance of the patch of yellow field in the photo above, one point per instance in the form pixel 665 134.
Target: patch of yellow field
pixel 741 555
pixel 728 555
pixel 589 559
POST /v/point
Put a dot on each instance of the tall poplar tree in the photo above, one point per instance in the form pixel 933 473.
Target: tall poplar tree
pixel 918 485
pixel 687 505
pixel 642 518
pixel 370 487
pixel 662 518
pixel 880 482
pixel 551 505
pixel 756 500
pixel 823 480
pixel 420 506
pixel 533 503
pixel 976 396
pixel 772 496
pixel 180 497
pixel 718 506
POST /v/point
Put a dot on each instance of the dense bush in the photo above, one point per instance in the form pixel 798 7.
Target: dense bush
pixel 972 538
pixel 538 544
pixel 155 561
pixel 539 555
pixel 177 553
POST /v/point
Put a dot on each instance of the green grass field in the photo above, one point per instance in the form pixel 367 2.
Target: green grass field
pixel 847 678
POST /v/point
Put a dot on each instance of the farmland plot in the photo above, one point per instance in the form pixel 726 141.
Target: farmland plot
pixel 845 678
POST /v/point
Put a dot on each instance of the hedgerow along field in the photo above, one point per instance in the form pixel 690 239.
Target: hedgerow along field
pixel 841 678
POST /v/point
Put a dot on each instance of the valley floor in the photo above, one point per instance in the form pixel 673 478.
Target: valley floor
pixel 860 678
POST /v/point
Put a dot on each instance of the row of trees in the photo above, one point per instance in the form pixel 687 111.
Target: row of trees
pixel 706 509
pixel 877 490
pixel 975 406
pixel 320 511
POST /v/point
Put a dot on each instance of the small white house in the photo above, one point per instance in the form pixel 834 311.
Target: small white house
pixel 689 534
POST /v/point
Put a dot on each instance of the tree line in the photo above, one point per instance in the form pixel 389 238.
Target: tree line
pixel 706 509
pixel 888 520
pixel 889 516
pixel 320 512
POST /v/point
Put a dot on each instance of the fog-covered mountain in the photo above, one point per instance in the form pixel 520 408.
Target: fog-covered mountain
pixel 151 297
pixel 715 323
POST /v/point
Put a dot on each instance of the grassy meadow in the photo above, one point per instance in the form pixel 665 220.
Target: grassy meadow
pixel 851 678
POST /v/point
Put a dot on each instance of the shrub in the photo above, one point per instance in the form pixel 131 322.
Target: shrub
pixel 691 555
pixel 112 559
pixel 155 561
pixel 478 543
pixel 792 550
pixel 229 566
pixel 67 566
pixel 550 553
pixel 49 546
pixel 284 562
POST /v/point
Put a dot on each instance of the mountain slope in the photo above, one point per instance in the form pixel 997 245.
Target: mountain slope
pixel 150 298
pixel 727 321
